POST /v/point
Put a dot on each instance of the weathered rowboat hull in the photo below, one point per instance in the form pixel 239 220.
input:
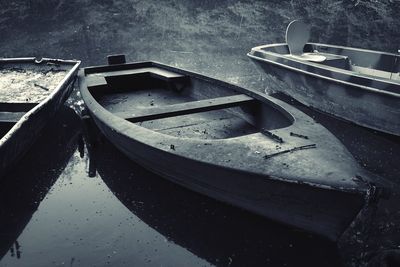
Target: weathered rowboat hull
pixel 19 138
pixel 228 171
pixel 358 92
pixel 314 209
pixel 209 230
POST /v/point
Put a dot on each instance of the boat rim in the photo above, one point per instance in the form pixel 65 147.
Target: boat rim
pixel 102 114
pixel 319 66
pixel 48 98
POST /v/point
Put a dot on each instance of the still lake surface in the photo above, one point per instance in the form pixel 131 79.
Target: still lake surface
pixel 53 214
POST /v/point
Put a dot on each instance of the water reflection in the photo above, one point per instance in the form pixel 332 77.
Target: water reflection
pixel 28 183
pixel 221 234
pixel 81 223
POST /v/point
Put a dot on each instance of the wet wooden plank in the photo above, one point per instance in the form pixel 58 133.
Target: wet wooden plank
pixel 10 116
pixel 160 112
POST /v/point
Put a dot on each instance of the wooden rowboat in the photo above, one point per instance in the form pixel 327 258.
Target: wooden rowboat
pixel 358 85
pixel 31 92
pixel 229 143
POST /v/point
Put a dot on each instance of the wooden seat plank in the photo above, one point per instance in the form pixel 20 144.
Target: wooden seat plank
pixel 6 116
pixel 153 70
pixel 99 80
pixel 153 113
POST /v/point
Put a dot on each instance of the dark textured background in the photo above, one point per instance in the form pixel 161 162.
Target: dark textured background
pixel 208 36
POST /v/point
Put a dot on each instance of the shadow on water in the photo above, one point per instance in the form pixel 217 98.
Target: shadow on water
pixel 29 182
pixel 221 234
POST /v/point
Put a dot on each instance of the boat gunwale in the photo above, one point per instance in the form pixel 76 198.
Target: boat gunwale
pixel 256 95
pixel 108 118
pixel 63 83
pixel 328 68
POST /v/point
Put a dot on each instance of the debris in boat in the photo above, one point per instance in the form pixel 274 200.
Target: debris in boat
pixel 298 135
pixel 41 86
pixel 290 150
pixel 18 84
pixel 271 135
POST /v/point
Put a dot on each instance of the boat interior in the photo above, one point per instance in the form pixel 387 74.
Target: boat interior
pixel 383 65
pixel 23 85
pixel 361 67
pixel 182 105
pixel 366 62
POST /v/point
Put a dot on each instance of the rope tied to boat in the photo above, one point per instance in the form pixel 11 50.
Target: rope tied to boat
pixel 290 150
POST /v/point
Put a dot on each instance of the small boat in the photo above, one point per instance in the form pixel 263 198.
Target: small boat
pixel 232 144
pixel 31 92
pixel 358 85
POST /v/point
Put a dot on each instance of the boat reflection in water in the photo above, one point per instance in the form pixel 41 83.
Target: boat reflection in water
pixel 25 186
pixel 216 232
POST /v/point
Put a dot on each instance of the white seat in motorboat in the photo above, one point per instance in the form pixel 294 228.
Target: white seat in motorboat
pixel 297 35
pixel 315 57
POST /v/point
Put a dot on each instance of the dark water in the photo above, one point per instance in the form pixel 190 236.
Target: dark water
pixel 53 214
